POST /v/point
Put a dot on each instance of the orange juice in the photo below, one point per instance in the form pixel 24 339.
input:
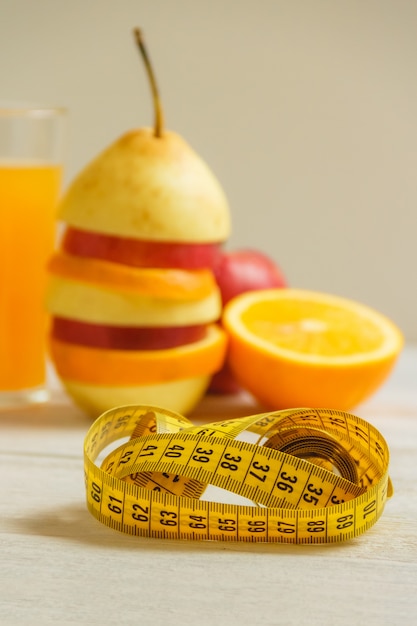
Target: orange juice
pixel 28 197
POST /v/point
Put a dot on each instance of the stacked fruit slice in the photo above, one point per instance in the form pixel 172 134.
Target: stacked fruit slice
pixel 124 334
pixel 132 296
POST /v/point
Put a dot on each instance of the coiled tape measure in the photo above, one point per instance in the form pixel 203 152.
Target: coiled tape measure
pixel 310 475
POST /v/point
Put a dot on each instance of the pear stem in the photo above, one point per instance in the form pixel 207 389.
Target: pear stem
pixel 159 116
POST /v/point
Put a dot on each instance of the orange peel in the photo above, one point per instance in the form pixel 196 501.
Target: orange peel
pixel 173 284
pixel 139 367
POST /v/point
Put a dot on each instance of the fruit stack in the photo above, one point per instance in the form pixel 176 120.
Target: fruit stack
pixel 132 295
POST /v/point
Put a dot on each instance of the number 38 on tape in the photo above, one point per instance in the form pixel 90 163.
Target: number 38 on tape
pixel 304 475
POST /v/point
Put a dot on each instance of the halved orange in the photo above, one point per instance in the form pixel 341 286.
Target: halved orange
pixel 292 348
pixel 176 284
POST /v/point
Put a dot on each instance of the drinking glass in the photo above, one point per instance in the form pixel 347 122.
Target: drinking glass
pixel 31 163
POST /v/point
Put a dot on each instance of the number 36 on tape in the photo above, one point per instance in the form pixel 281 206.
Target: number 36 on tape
pixel 306 475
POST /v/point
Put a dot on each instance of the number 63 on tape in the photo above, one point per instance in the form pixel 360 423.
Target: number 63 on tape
pixel 306 475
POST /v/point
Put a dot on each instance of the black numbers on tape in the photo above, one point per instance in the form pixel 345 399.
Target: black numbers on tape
pixel 109 467
pixel 168 518
pixel 148 451
pixel 265 421
pixel 361 433
pixel 227 464
pixel 344 522
pixel 122 421
pixel 174 477
pixel 336 421
pixel 285 528
pixel 202 455
pixel 286 483
pixel 316 526
pixel 309 497
pixel 198 521
pixel 256 526
pixel 141 513
pixel 379 450
pixel 369 509
pixel 206 432
pixel 96 492
pixel 262 469
pixel 126 457
pixel 114 508
pixel 105 429
pixel 93 442
pixel 174 452
pixel 227 525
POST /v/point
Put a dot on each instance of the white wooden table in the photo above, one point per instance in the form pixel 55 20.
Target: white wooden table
pixel 58 565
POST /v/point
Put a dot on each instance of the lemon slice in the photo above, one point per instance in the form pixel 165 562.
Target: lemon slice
pixel 291 347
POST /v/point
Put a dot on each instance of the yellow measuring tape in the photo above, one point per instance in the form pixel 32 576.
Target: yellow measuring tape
pixel 307 475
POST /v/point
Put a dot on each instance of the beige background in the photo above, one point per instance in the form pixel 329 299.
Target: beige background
pixel 306 111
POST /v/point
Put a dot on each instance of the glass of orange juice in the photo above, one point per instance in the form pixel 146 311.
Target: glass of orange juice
pixel 31 160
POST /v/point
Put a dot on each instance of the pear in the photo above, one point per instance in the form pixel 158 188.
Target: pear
pixel 148 190
pixel 149 184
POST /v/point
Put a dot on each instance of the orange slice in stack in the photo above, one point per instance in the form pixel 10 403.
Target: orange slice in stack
pixel 123 335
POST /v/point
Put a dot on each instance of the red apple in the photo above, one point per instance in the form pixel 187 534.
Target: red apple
pixel 236 272
pixel 246 270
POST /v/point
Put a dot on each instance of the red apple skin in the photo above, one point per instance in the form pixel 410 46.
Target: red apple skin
pixel 140 253
pixel 125 337
pixel 244 270
pixel 224 383
pixel 239 271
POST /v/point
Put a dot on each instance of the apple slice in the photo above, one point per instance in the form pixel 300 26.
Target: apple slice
pixel 140 253
pixel 90 303
pixel 139 367
pixel 125 337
